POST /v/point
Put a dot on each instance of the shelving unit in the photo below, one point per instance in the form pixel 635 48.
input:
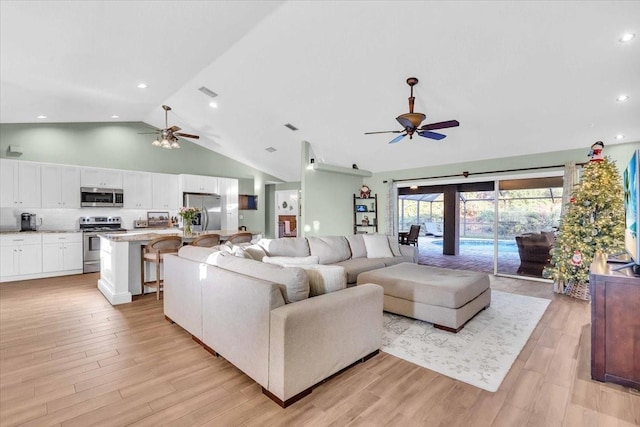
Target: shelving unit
pixel 365 207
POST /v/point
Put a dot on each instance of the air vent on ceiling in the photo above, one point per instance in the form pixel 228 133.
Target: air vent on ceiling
pixel 290 126
pixel 208 92
pixel 270 149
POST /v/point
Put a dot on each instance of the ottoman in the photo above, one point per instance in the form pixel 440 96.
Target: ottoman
pixel 447 298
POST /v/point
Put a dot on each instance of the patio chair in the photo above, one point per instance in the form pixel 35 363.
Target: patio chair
pixel 431 228
pixel 412 236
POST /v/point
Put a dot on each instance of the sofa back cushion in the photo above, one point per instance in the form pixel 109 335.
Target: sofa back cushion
pixel 291 261
pixel 285 247
pixel 356 243
pixel 324 279
pixel 377 246
pixel 293 281
pixel 395 247
pixel 202 254
pixel 329 249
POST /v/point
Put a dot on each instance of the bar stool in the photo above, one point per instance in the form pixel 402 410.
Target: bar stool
pixel 243 237
pixel 154 252
pixel 206 240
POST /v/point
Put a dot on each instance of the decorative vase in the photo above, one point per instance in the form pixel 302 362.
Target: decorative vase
pixel 187 228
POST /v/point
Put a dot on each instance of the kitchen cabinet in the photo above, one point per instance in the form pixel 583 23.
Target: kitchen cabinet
pixel 62 252
pixel 20 254
pixel 103 178
pixel 165 193
pixel 19 184
pixel 60 186
pixel 229 194
pixel 199 184
pixel 137 190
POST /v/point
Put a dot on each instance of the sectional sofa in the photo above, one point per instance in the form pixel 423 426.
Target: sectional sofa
pixel 283 311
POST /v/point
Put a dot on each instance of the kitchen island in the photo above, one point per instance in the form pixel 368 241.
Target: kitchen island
pixel 120 260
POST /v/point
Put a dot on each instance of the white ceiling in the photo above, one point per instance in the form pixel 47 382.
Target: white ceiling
pixel 521 77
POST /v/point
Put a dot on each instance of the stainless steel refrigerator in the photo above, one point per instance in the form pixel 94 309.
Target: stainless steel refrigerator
pixel 210 215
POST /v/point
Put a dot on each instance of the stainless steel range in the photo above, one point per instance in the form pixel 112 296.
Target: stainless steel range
pixel 91 226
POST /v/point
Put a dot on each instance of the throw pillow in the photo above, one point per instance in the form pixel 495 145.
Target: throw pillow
pixel 255 252
pixel 290 260
pixel 356 243
pixel 393 244
pixel 324 279
pixel 377 246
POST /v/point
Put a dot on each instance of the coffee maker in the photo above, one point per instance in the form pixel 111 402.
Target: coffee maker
pixel 28 222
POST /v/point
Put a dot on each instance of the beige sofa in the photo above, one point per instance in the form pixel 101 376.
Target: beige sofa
pixel 258 315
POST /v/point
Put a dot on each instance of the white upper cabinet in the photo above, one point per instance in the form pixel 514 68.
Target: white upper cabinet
pixel 60 186
pixel 229 193
pixel 137 190
pixel 20 184
pixel 165 193
pixel 104 178
pixel 199 184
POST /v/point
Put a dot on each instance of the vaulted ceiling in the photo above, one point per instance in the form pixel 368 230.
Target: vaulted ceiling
pixel 521 77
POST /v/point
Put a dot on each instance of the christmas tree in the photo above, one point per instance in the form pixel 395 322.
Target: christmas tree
pixel 593 222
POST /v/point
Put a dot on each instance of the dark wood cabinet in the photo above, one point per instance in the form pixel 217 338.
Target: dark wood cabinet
pixel 615 325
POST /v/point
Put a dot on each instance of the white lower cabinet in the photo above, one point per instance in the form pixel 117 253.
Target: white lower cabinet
pixel 61 252
pixel 38 255
pixel 20 255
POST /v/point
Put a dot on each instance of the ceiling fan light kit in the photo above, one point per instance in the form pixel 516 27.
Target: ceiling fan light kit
pixel 168 137
pixel 411 121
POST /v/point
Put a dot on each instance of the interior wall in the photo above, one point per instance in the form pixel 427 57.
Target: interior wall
pixel 122 146
pixel 618 153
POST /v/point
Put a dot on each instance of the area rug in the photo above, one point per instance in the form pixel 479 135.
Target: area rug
pixel 480 354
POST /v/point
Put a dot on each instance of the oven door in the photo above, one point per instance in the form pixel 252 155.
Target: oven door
pixel 91 257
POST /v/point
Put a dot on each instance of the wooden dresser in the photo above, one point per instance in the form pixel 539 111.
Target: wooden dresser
pixel 615 325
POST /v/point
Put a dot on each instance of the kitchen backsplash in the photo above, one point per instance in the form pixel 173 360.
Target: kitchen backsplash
pixel 67 219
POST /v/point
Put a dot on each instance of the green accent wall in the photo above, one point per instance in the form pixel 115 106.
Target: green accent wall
pixel 122 146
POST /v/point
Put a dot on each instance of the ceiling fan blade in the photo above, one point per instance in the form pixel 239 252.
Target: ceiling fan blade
pixel 441 125
pixel 431 135
pixel 384 131
pixel 397 138
pixel 186 135
pixel 174 128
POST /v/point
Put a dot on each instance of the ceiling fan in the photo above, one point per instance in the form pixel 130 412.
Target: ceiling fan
pixel 168 137
pixel 410 122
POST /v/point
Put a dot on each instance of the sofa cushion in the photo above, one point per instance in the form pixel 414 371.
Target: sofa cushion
pixel 255 252
pixel 297 246
pixel 293 281
pixel 396 260
pixel 330 249
pixel 202 254
pixel 377 246
pixel 290 261
pixel 355 266
pixel 324 279
pixel 356 243
pixel 394 246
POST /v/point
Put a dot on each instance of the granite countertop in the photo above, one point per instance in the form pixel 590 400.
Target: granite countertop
pixel 38 231
pixel 136 237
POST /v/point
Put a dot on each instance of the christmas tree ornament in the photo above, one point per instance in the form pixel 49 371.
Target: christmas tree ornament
pixel 576 259
pixel 596 152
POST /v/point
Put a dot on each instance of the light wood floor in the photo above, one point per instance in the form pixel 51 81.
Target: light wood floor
pixel 69 358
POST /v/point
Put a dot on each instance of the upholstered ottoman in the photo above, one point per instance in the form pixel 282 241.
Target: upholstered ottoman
pixel 447 298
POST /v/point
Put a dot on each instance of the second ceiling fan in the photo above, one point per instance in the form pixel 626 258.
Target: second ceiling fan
pixel 411 122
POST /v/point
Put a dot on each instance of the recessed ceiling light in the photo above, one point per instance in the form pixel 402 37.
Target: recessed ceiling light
pixel 619 136
pixel 213 105
pixel 115 117
pixel 42 117
pixel 142 86
pixel 622 98
pixel 627 37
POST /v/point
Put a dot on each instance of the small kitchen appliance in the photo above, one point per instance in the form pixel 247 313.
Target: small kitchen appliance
pixel 28 222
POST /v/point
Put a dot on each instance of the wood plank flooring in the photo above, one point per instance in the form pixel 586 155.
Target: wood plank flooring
pixel 68 358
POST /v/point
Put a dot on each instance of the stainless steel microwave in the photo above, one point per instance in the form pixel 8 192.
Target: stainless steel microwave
pixel 101 197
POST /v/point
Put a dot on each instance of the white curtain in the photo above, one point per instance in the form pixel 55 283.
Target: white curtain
pixel 392 208
pixel 570 179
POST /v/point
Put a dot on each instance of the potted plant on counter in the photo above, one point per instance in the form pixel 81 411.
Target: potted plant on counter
pixel 188 214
